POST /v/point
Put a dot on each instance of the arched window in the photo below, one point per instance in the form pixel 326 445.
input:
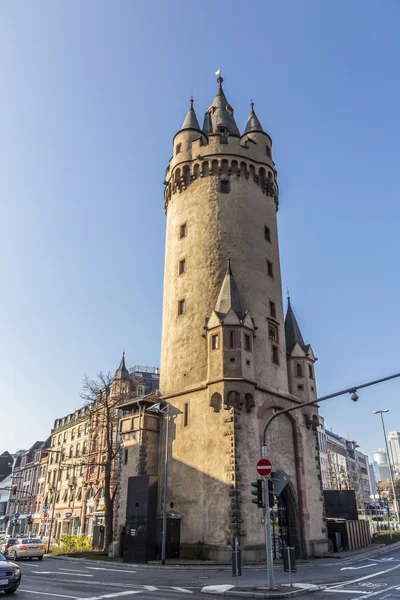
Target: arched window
pixel 234 167
pixel 249 402
pixel 205 168
pixel 214 167
pixel 234 399
pixel 216 402
pixel 299 370
pixel 196 171
pixel 243 169
pixel 186 175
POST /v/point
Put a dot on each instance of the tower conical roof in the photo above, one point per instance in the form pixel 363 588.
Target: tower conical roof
pixel 122 372
pixel 292 330
pixel 228 297
pixel 253 124
pixel 191 121
pixel 220 114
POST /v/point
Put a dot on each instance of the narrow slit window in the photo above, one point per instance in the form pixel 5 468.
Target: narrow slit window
pixel 181 307
pixel 299 370
pixel 268 151
pixel 182 266
pixel 186 415
pixel 125 456
pixel 178 148
pixel 270 269
pixel 247 342
pixel 310 371
pixel 267 233
pixel 183 230
pixel 215 342
pixel 275 355
pixel 272 309
pixel 231 339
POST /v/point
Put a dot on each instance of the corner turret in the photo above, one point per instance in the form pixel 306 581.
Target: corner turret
pixel 219 117
pixel 121 382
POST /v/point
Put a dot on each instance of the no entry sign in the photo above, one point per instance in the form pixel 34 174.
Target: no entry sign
pixel 264 467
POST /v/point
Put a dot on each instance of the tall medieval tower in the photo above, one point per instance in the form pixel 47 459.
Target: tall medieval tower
pixel 227 362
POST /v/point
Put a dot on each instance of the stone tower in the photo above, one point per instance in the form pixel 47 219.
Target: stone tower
pixel 224 362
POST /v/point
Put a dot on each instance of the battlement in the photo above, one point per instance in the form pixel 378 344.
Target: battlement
pixel 183 175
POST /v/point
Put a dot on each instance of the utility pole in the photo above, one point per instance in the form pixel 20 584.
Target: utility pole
pixel 396 506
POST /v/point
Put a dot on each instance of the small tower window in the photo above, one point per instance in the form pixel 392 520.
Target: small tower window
pixel 247 342
pixel 224 186
pixel 270 269
pixel 272 333
pixel 310 371
pixel 231 339
pixel 275 355
pixel 181 307
pixel 178 148
pixel 299 370
pixel 215 342
pixel 300 387
pixel 125 456
pixel 182 266
pixel 272 309
pixel 268 151
pixel 267 233
pixel 186 415
pixel 183 230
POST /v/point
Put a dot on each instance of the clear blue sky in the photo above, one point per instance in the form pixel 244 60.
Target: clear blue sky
pixel 92 93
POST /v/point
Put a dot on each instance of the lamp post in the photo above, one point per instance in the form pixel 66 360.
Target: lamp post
pixel 396 506
pixel 164 411
pixel 61 452
pixel 268 535
pixel 375 499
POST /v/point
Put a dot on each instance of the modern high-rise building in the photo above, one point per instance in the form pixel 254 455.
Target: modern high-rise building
pixel 394 449
pixel 229 358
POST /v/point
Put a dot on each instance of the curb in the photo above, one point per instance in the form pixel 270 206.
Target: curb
pixel 301 591
pixel 227 567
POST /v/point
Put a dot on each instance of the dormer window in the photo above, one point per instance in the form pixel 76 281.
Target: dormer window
pixel 178 148
pixel 229 110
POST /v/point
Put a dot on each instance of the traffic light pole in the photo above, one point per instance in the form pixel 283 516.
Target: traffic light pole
pixel 268 537
pixel 268 532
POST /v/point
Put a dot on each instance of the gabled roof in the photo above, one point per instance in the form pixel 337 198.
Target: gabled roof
pixel 228 298
pixel 220 114
pixel 292 330
pixel 253 124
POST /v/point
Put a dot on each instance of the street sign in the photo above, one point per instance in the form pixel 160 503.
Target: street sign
pixel 16 516
pixel 45 506
pixel 11 500
pixel 264 467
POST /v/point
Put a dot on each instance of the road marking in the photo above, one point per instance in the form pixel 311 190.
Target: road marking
pixel 347 591
pixel 355 568
pixel 81 575
pixel 116 595
pixel 364 578
pixel 179 589
pixel 73 571
pixel 149 588
pixel 49 594
pixel 113 570
pixel 370 594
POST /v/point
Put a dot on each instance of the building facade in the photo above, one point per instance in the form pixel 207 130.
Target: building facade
pixel 229 359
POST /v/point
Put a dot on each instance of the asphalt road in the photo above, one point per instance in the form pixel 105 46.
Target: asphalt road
pixel 378 579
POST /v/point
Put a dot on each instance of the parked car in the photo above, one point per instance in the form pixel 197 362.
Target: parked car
pixel 27 548
pixel 10 576
pixel 6 543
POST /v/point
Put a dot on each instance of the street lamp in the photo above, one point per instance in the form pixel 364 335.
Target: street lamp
pixel 396 506
pixel 164 411
pixel 61 452
pixel 268 533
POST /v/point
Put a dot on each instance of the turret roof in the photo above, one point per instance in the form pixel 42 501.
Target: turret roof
pixel 292 330
pixel 228 296
pixel 253 124
pixel 191 121
pixel 220 114
pixel 122 372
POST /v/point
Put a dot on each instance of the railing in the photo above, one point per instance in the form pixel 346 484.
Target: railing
pixel 154 370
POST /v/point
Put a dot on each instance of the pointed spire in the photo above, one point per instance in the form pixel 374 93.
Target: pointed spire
pixel 292 330
pixel 122 372
pixel 220 114
pixel 253 124
pixel 228 295
pixel 191 121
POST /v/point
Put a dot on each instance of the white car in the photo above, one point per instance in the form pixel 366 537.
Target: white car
pixel 27 548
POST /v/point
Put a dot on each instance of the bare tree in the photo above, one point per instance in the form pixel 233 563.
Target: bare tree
pixel 102 458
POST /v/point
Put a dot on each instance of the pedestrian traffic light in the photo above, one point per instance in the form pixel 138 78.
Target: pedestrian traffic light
pixel 29 519
pixel 257 492
pixel 14 490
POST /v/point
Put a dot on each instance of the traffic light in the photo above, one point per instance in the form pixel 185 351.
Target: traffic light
pixel 257 492
pixel 29 519
pixel 271 493
pixel 14 490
